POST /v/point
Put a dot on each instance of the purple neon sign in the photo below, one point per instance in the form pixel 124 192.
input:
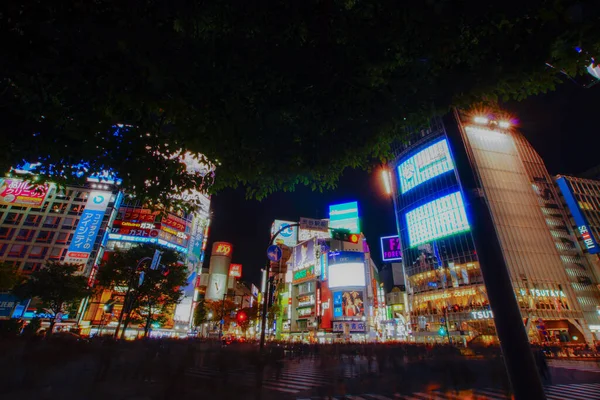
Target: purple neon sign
pixel 391 250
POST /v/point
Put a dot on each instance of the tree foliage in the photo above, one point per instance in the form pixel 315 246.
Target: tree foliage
pixel 251 314
pixel 263 90
pixel 160 288
pixel 56 285
pixel 200 313
pixel 221 310
pixel 9 276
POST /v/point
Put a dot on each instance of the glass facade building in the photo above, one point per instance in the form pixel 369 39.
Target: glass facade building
pixel 545 262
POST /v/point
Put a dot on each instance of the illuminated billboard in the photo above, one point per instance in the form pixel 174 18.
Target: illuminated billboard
pixel 390 248
pixel 348 303
pixel 344 216
pixel 346 269
pixel 87 229
pixel 426 164
pixel 288 236
pixel 17 192
pixel 437 219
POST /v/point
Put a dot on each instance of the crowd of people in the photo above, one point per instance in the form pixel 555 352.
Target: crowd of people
pixel 100 363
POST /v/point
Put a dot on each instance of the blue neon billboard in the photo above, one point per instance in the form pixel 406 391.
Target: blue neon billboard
pixel 583 228
pixel 439 218
pixel 428 163
pixel 344 216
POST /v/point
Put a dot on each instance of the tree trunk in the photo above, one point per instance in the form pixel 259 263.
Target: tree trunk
pixel 51 328
pixel 125 325
pixel 148 321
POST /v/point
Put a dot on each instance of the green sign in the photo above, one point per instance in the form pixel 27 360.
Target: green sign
pixel 304 274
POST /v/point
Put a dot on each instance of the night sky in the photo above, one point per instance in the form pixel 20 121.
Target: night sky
pixel 562 126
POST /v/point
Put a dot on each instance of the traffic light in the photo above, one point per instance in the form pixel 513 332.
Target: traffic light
pixel 345 236
pixel 241 316
pixel 442 331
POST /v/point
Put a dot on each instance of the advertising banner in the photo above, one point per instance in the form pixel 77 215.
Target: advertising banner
pixel 288 236
pixel 17 192
pixel 222 249
pixel 304 255
pixel 391 249
pixel 8 303
pixel 344 216
pixel 348 303
pixel 87 229
pixel 216 286
pixel 346 269
pixel 235 270
pixel 425 165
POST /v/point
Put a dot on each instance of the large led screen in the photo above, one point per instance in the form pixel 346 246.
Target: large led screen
pixel 426 164
pixel 346 269
pixel 437 219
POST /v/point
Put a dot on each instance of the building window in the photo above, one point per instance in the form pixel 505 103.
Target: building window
pixel 57 253
pixel 6 233
pixel 38 252
pixel 13 218
pixel 17 250
pixel 63 237
pixel 51 222
pixel 25 235
pixel 69 223
pixel 3 248
pixel 45 236
pixel 31 267
pixel 58 208
pixel 32 220
pixel 76 209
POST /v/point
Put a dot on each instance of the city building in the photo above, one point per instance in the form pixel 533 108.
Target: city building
pixel 51 223
pixel 582 199
pixel 330 291
pixel 444 279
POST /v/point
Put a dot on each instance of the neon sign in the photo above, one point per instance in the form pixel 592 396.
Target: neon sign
pixel 580 220
pixel 390 248
pixel 430 162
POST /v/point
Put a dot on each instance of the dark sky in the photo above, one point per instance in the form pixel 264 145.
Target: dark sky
pixel 563 126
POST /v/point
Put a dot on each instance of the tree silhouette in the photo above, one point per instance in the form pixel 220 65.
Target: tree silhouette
pixel 57 286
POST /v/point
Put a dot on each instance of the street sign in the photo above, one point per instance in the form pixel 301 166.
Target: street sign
pixel 442 320
pixel 274 253
pixel 314 224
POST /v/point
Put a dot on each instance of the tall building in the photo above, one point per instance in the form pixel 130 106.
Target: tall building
pixel 582 200
pixel 443 274
pixel 50 223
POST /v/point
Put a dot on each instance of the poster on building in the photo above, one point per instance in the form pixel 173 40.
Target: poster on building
pixel 82 244
pixel 235 270
pixel 304 255
pixel 216 286
pixel 348 304
pixel 288 235
pixel 17 192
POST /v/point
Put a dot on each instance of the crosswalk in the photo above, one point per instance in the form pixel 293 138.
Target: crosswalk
pixel 585 366
pixel 295 377
pixel 574 391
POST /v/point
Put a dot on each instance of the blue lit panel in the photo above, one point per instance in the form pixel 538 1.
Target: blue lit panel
pixel 426 164
pixel 437 219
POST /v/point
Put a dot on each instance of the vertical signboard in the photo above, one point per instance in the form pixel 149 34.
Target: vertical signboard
pixel 87 229
pixel 583 229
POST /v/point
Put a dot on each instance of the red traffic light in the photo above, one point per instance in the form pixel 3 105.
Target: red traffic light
pixel 241 316
pixel 354 238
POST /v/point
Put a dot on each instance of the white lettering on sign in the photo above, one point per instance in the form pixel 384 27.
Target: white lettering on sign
pixel 587 238
pixel 487 314
pixel 543 293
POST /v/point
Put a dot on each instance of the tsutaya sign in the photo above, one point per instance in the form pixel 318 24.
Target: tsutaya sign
pixel 487 314
pixel 542 293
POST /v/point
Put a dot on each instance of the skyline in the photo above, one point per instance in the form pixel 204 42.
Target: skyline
pixel 548 121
